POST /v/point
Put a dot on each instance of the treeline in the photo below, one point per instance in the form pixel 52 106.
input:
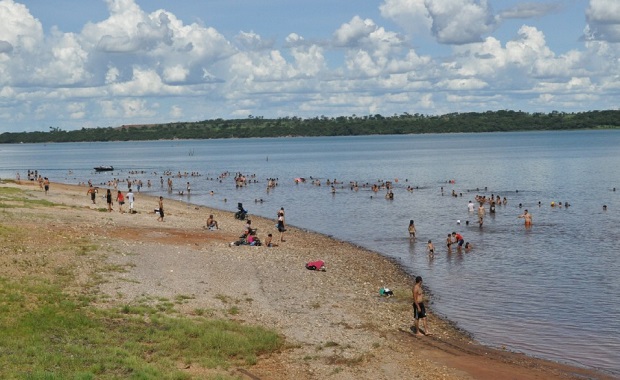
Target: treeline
pixel 490 121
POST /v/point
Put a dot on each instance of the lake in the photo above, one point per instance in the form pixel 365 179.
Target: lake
pixel 550 291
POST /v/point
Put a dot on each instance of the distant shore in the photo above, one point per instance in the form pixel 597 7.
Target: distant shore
pixel 335 323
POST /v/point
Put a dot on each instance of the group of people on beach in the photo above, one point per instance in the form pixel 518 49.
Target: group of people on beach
pixel 249 235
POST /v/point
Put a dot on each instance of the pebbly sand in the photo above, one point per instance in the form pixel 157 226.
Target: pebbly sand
pixel 335 323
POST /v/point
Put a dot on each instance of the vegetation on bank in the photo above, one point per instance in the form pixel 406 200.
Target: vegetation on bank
pixel 490 121
pixel 52 327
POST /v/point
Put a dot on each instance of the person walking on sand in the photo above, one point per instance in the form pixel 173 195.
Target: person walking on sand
pixel 130 199
pixel 161 209
pixel 527 217
pixel 281 227
pixel 120 198
pixel 419 311
pixel 108 198
pixel 481 212
pixel 411 230
pixel 93 194
pixel 46 185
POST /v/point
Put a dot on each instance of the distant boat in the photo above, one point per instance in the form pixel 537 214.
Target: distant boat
pixel 104 168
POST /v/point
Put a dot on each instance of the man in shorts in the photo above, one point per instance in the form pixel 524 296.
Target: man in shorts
pixel 419 311
pixel 130 199
pixel 458 240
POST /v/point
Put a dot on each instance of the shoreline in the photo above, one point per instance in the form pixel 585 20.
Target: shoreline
pixel 377 335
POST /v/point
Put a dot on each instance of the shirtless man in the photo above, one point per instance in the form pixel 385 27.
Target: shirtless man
pixel 419 312
pixel 268 241
pixel 93 193
pixel 212 223
pixel 430 247
pixel 527 217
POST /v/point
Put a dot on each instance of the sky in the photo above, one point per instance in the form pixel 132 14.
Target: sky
pixel 73 64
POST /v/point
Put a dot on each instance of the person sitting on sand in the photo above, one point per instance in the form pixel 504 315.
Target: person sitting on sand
pixel 212 223
pixel 252 239
pixel 268 241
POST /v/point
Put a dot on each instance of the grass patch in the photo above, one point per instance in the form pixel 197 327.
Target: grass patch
pixel 47 334
pixel 11 197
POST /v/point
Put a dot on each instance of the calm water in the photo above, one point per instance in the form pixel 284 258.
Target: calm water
pixel 551 291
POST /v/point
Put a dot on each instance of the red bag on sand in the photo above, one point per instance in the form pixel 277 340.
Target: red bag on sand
pixel 316 265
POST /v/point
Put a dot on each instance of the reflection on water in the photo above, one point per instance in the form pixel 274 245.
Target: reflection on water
pixel 551 290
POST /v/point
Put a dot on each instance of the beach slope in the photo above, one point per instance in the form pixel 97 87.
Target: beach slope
pixel 334 323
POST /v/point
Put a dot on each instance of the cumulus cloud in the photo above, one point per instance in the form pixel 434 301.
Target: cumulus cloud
pixel 132 66
pixel 460 21
pixel 603 18
pixel 411 15
pixel 253 41
pixel 452 22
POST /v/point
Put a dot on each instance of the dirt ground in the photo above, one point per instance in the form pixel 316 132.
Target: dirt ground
pixel 335 324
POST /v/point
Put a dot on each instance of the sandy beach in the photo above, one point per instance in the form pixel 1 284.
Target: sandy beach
pixel 335 323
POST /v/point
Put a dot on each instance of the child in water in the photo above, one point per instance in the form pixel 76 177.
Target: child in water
pixel 431 249
pixel 411 230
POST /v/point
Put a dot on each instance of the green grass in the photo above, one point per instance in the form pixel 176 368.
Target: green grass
pixel 48 330
pixel 11 197
pixel 46 334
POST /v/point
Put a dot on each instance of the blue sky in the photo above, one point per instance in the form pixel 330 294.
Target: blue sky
pixel 79 64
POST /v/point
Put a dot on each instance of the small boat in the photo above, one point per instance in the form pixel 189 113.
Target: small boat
pixel 104 168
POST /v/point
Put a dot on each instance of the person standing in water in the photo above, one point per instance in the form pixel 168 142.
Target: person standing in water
pixel 411 230
pixel 481 212
pixel 431 249
pixel 527 217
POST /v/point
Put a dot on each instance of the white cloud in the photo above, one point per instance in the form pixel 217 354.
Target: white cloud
pixel 603 18
pixel 460 21
pixel 18 28
pixel 411 15
pixel 175 74
pixel 76 110
pixel 112 75
pixel 138 108
pixel 176 111
pixel 252 41
pixel 144 82
pixel 131 66
pixel 354 32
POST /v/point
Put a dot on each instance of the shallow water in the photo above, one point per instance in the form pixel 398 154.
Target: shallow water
pixel 550 291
